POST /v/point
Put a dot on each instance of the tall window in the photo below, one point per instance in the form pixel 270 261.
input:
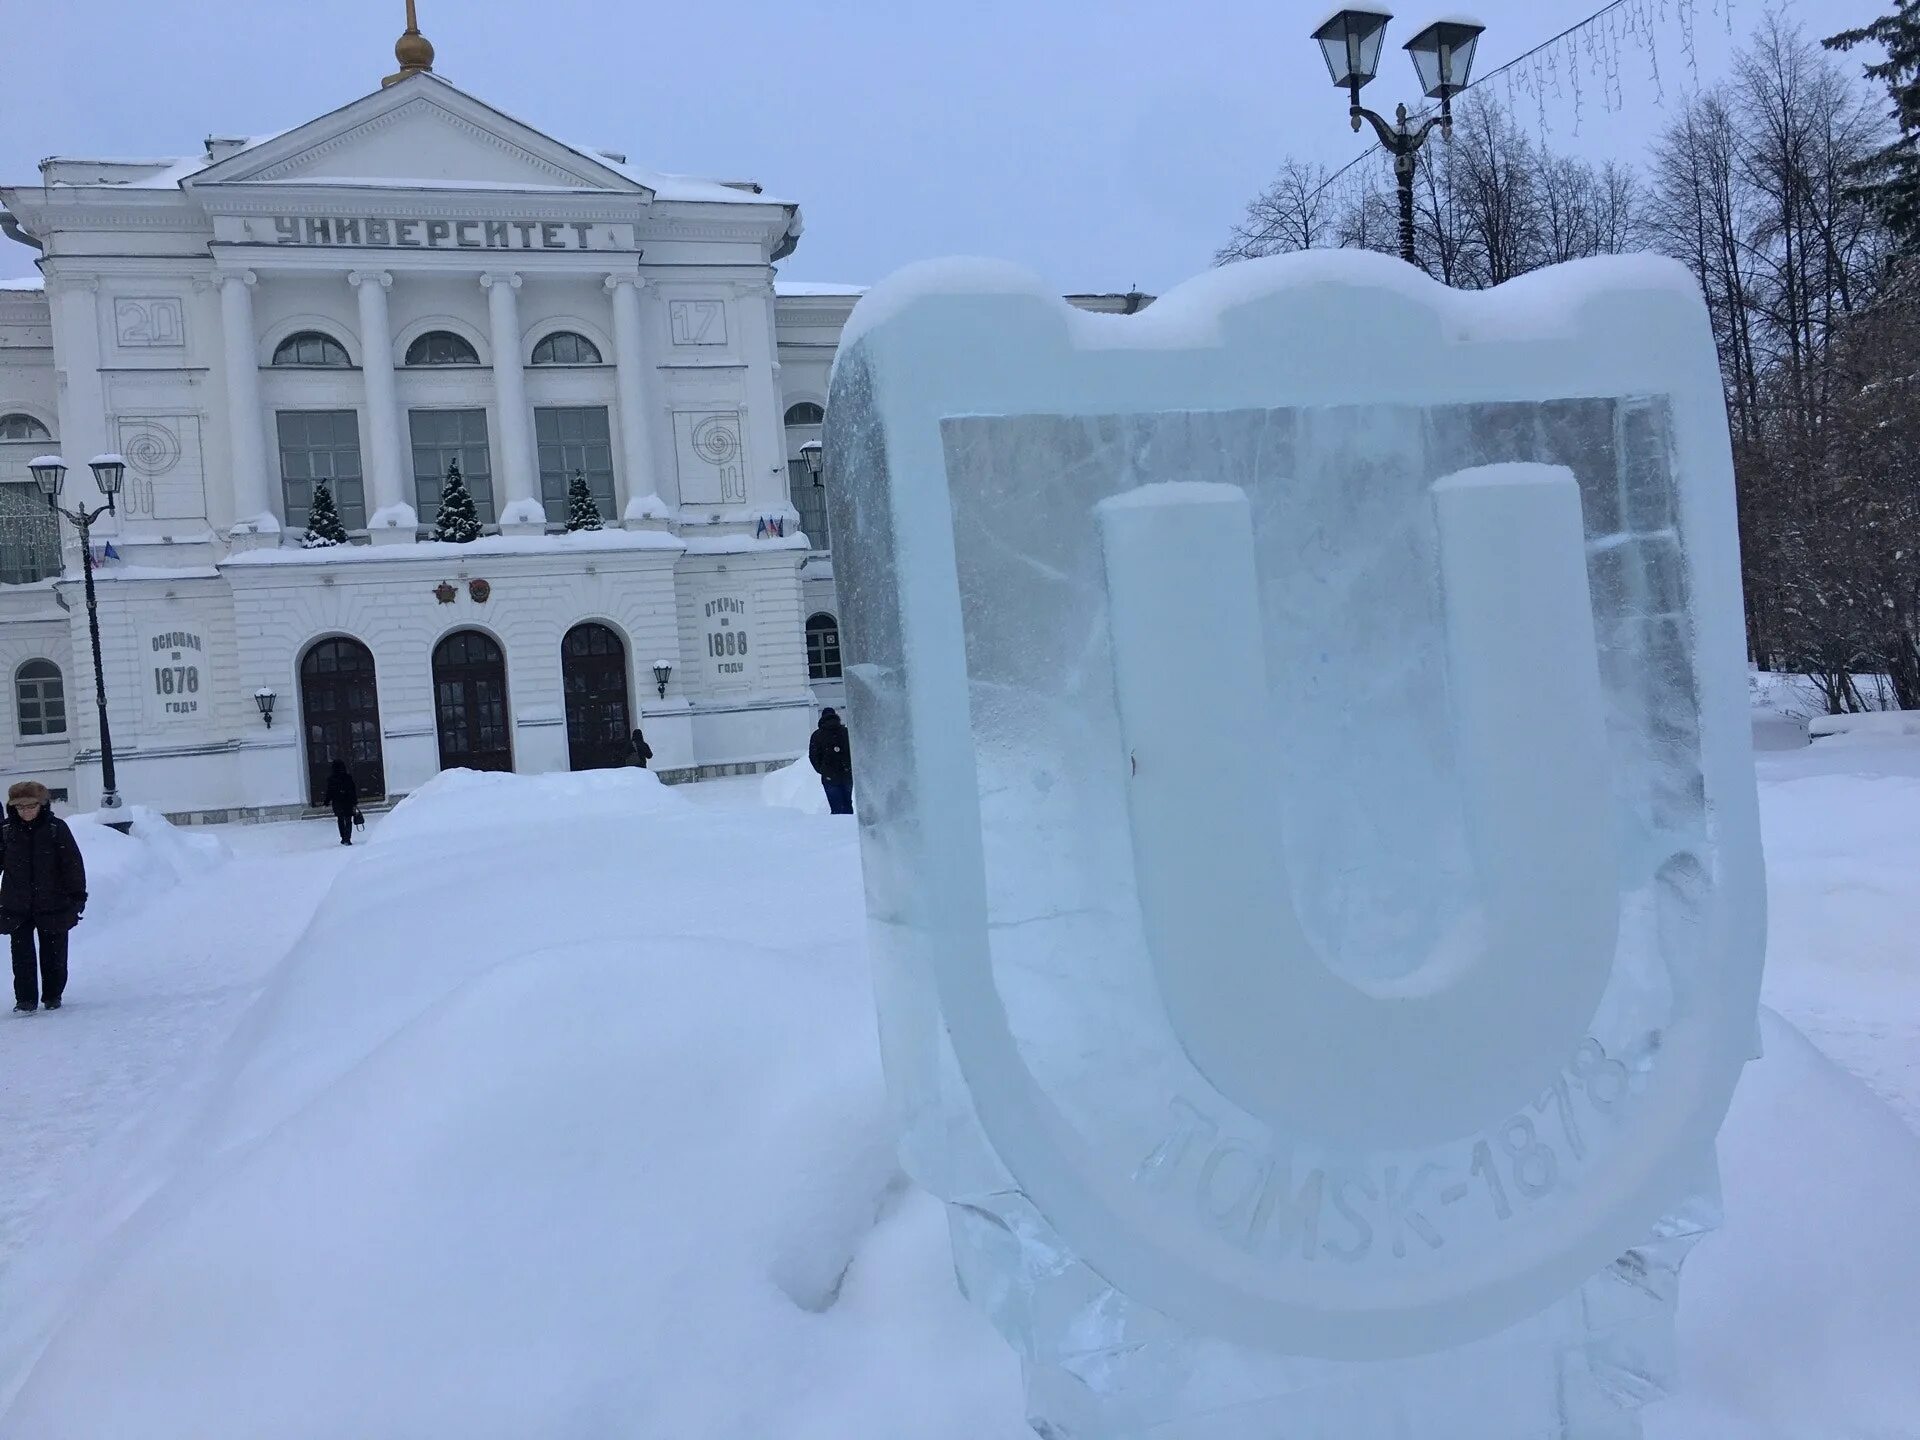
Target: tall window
pixel 823 647
pixel 441 347
pixel 803 420
pixel 41 698
pixel 321 445
pixel 571 438
pixel 441 436
pixel 311 347
pixel 563 347
pixel 22 427
pixel 29 532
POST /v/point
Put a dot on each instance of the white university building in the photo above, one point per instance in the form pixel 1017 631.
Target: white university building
pixel 413 280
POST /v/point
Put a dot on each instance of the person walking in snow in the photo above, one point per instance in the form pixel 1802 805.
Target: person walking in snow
pixel 343 797
pixel 43 890
pixel 831 754
pixel 642 752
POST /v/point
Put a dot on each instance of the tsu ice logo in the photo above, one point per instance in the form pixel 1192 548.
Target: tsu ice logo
pixel 1308 827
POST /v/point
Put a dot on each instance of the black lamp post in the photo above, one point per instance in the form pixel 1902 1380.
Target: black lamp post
pixel 813 456
pixel 49 472
pixel 1442 57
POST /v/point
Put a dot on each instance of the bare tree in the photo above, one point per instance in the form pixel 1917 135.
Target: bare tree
pixel 1300 210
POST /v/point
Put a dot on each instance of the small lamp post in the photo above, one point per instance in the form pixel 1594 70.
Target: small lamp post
pixel 264 698
pixel 1442 57
pixel 49 473
pixel 662 672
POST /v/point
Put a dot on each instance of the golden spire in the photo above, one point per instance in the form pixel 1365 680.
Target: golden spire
pixel 412 50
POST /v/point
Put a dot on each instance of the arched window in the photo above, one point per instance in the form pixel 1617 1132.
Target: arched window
pixel 823 647
pixel 311 347
pixel 805 413
pixel 22 427
pixel 29 531
pixel 593 672
pixel 441 347
pixel 563 347
pixel 41 697
pixel 470 703
pixel 340 708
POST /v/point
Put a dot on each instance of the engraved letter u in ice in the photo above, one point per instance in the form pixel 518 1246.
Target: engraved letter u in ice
pixel 1474 1030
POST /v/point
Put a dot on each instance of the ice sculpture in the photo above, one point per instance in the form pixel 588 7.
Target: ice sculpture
pixel 1308 828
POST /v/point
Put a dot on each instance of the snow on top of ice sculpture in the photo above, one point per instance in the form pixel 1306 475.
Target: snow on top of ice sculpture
pixel 1539 303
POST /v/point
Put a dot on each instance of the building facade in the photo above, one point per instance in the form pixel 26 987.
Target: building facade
pixel 413 282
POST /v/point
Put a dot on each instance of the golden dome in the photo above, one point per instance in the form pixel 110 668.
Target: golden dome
pixel 413 50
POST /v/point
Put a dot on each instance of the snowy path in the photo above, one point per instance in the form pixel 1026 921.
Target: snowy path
pixel 149 995
pixel 1842 829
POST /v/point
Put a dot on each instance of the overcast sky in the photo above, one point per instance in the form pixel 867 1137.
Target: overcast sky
pixel 1104 143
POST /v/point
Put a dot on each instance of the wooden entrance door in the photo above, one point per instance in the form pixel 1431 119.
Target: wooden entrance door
pixel 593 671
pixel 470 702
pixel 340 709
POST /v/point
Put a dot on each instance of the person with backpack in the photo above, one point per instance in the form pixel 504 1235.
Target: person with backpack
pixel 830 751
pixel 43 890
pixel 343 797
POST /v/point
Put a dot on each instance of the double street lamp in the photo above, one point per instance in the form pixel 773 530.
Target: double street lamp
pixel 49 473
pixel 1442 57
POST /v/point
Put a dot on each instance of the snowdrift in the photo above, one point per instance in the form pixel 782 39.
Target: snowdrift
pixel 794 787
pixel 565 1119
pixel 126 873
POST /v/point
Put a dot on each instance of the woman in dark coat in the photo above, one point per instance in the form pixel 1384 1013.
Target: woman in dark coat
pixel 43 889
pixel 642 752
pixel 344 798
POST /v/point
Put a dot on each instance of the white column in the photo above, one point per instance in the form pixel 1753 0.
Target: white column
pixel 514 470
pixel 631 390
pixel 391 517
pixel 247 441
pixel 767 484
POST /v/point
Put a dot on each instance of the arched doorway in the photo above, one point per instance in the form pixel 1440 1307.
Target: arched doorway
pixel 593 671
pixel 470 702
pixel 340 709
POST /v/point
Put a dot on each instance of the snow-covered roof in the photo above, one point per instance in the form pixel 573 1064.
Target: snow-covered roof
pixel 167 172
pixel 24 282
pixel 500 545
pixel 799 289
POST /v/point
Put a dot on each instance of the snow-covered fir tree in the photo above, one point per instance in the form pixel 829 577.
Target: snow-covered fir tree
pixel 1890 177
pixel 323 520
pixel 457 520
pixel 582 512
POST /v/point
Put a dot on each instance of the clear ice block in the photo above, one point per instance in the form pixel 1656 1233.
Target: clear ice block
pixel 1308 828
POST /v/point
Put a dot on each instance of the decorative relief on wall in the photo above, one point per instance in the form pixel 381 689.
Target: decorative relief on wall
pixel 165 479
pixel 710 457
pixel 149 322
pixel 698 322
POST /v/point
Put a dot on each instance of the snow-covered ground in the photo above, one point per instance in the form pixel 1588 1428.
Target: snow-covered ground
pixel 554 1110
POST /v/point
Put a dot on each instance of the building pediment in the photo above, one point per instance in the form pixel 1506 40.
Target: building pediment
pixel 422 133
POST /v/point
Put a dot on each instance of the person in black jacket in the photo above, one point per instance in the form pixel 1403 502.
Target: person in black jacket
pixel 344 798
pixel 43 889
pixel 642 752
pixel 831 754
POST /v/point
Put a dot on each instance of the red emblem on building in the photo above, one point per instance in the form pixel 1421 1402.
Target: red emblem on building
pixel 479 590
